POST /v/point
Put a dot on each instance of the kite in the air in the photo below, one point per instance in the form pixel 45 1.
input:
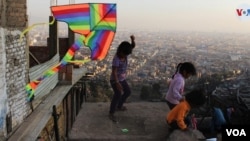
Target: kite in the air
pixel 96 24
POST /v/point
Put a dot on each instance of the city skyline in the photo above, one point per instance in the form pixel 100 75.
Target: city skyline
pixel 161 15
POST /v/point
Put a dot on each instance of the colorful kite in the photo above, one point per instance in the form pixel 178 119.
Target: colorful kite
pixel 96 24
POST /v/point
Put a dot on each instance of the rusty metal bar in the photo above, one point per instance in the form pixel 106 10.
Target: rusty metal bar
pixel 56 116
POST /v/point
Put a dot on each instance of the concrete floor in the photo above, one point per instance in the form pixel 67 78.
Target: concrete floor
pixel 142 121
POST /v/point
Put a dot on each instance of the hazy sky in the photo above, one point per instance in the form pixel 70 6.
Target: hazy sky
pixel 181 15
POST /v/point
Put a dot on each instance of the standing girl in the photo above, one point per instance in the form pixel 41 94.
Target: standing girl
pixel 118 77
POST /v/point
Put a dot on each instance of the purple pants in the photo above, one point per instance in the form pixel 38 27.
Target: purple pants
pixel 119 98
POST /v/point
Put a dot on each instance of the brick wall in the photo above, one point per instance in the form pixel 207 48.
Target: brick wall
pixel 13 66
pixel 16 66
pixel 13 13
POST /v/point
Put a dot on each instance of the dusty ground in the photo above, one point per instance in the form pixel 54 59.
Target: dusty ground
pixel 144 120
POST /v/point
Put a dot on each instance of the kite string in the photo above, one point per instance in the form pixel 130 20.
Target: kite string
pixel 32 26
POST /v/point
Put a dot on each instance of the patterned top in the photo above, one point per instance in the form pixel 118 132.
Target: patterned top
pixel 121 68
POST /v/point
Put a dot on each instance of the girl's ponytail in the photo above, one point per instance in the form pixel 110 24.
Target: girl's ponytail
pixel 177 69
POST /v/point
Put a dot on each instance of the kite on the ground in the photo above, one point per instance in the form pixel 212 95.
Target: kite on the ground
pixel 96 24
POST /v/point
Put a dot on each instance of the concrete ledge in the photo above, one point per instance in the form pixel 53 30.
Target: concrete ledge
pixel 190 135
pixel 32 126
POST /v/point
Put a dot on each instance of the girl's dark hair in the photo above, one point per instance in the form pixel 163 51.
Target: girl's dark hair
pixel 177 69
pixel 188 67
pixel 196 97
pixel 125 47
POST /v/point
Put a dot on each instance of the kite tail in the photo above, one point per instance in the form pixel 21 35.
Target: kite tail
pixel 31 87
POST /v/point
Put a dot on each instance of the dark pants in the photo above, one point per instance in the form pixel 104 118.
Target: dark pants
pixel 119 98
pixel 170 105
pixel 218 120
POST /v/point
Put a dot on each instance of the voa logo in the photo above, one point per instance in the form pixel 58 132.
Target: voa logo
pixel 236 132
pixel 243 12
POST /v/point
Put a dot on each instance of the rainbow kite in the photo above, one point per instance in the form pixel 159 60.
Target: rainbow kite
pixel 95 22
